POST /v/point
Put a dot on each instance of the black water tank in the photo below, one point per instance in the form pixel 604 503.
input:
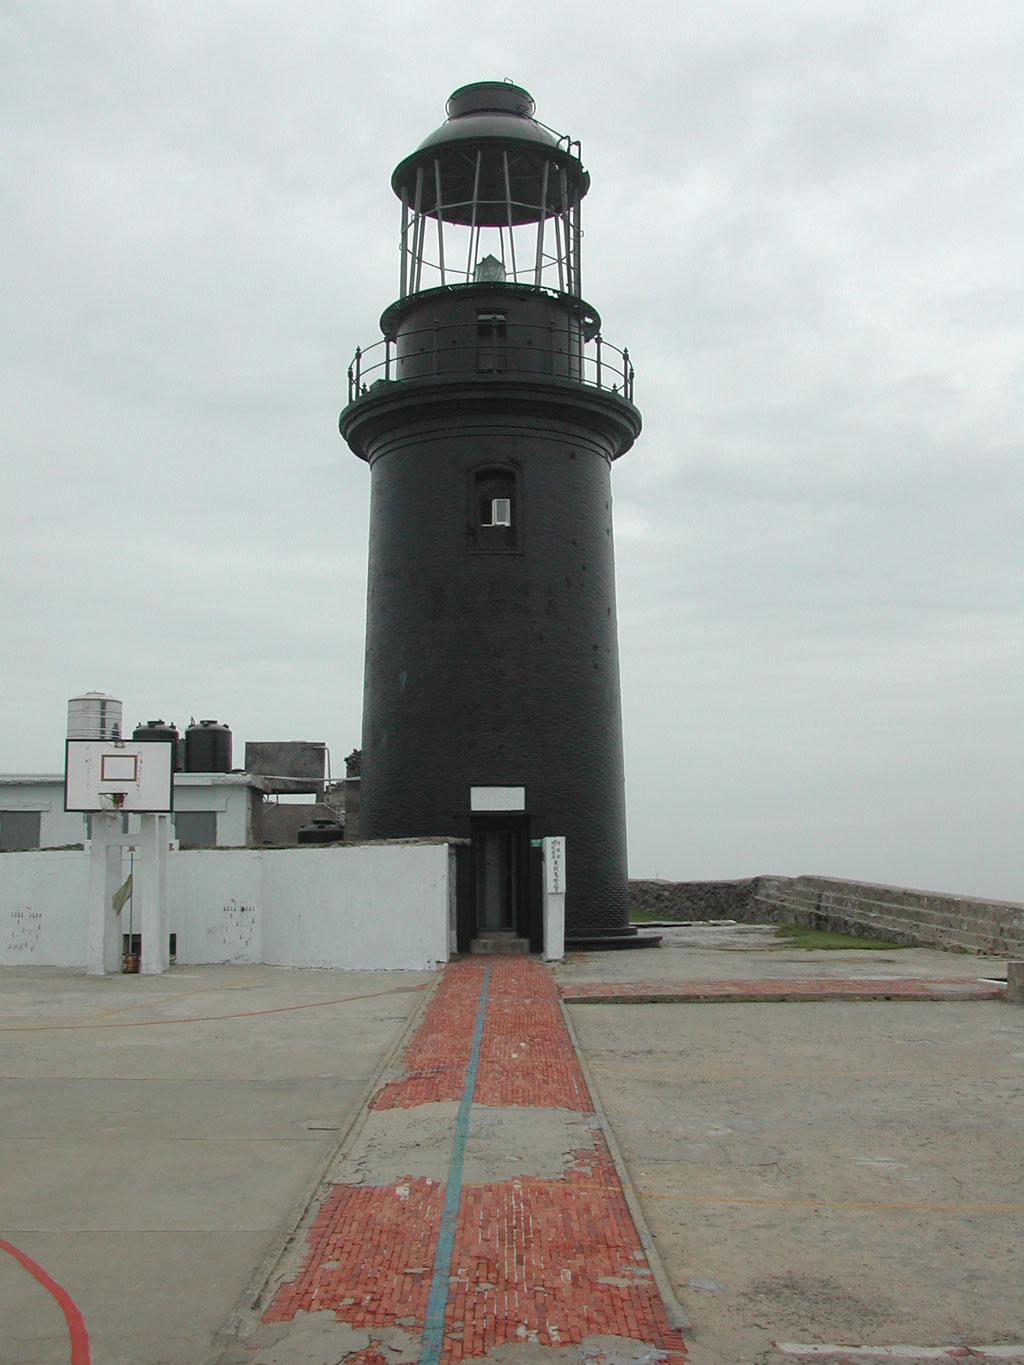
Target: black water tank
pixel 321 831
pixel 159 729
pixel 208 747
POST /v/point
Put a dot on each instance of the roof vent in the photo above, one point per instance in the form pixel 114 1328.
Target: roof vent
pixel 491 97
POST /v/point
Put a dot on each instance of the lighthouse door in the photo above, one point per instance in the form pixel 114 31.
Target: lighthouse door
pixel 498 875
pixel 496 879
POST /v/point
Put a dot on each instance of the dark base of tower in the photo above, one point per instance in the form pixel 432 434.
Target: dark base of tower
pixel 603 943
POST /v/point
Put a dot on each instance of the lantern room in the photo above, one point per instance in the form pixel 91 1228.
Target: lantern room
pixel 492 196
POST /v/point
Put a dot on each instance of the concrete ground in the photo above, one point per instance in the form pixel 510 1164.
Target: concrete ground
pixel 812 1173
pixel 818 1172
pixel 158 1133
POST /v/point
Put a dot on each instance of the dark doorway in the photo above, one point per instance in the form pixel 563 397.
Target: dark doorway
pixel 500 875
pixel 496 880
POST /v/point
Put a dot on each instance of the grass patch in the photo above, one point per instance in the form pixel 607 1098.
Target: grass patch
pixel 795 935
pixel 799 936
pixel 637 915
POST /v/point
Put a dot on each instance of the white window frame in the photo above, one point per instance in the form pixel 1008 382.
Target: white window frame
pixel 501 512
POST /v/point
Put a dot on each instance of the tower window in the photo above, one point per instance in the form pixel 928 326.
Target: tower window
pixel 496 512
pixel 493 510
pixel 490 341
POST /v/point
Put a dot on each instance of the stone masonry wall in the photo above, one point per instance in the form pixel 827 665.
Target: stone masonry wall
pixel 907 916
pixel 693 900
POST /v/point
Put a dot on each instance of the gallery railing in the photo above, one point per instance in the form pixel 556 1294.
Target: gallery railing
pixel 453 350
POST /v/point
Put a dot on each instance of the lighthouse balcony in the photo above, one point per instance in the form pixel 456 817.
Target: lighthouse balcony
pixel 490 337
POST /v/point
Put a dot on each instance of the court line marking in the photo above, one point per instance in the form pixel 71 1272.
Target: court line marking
pixel 210 1018
pixel 75 1322
pixel 831 1204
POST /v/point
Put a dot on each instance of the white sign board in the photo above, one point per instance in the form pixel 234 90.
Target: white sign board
pixel 554 898
pixel 554 865
pixel 119 775
pixel 497 798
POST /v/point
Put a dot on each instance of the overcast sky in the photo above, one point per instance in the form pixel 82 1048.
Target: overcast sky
pixel 805 221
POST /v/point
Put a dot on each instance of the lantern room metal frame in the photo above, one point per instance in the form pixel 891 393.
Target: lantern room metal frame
pixel 518 203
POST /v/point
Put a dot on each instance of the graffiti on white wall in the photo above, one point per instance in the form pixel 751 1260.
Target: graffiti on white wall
pixel 363 908
pixel 237 930
pixel 25 928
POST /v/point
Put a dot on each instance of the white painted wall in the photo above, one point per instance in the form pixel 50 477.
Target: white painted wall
pixel 44 907
pixel 380 905
pixel 44 793
pixel 366 907
pixel 215 903
pixel 229 794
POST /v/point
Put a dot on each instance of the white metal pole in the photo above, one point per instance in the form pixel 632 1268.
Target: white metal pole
pixel 440 220
pixel 539 262
pixel 148 897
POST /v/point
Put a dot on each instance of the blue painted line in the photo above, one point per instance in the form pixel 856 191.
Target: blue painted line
pixel 437 1302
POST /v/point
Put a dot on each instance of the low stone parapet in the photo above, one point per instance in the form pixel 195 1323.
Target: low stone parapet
pixel 693 900
pixel 905 915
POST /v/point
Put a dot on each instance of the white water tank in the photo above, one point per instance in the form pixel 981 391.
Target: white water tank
pixel 94 715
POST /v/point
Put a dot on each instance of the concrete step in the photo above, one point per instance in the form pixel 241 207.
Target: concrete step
pixel 499 941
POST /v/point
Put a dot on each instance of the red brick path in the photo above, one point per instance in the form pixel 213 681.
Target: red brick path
pixel 552 1262
pixel 370 1252
pixel 435 1060
pixel 534 1260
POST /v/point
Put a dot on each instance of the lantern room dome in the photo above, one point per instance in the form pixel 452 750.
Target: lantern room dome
pixel 490 109
pixel 494 119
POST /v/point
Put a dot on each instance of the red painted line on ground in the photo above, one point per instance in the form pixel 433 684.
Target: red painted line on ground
pixel 211 1018
pixel 73 1318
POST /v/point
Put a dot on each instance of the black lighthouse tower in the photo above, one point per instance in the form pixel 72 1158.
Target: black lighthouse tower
pixel 490 414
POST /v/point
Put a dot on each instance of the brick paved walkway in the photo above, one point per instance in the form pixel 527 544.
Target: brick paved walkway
pixel 776 988
pixel 552 1261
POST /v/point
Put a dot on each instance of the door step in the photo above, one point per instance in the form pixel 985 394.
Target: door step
pixel 499 941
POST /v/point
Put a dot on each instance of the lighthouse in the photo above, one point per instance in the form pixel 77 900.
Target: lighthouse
pixel 490 414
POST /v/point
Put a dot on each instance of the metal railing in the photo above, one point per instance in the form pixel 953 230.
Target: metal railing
pixel 452 350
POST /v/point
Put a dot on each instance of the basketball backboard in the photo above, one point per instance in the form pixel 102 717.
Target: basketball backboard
pixel 119 775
